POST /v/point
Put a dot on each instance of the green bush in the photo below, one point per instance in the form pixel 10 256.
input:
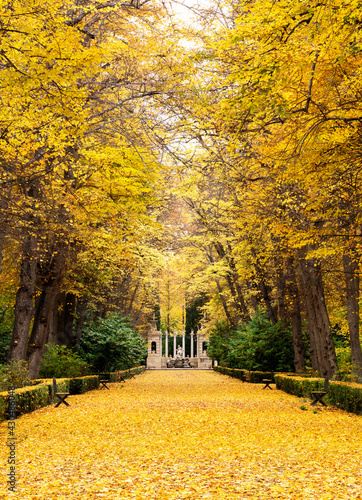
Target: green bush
pixel 219 342
pixel 111 344
pixel 344 362
pixel 256 346
pixel 60 361
pixel 15 374
pixel 261 346
pixel 6 322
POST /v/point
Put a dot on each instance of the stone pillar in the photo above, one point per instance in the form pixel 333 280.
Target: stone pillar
pixel 192 344
pixel 183 344
pixel 160 344
pixel 198 344
pixel 166 344
pixel 174 344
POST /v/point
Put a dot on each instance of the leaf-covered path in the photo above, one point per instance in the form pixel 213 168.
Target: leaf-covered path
pixel 187 435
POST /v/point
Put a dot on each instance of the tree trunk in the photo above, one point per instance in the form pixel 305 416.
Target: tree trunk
pixel 81 309
pixel 318 320
pixel 221 295
pixel 2 241
pixel 56 325
pixel 24 307
pixel 224 304
pixel 350 266
pixel 265 294
pixel 255 297
pixel 281 284
pixel 240 296
pixel 129 309
pixel 232 281
pixel 293 292
pixel 264 289
pixel 50 274
pixel 70 304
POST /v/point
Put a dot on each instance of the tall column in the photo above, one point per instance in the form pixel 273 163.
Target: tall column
pixel 174 344
pixel 183 344
pixel 160 337
pixel 198 344
pixel 192 343
pixel 166 344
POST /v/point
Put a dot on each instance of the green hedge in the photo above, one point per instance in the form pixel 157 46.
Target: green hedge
pixel 344 395
pixel 253 377
pixel 116 376
pixel 299 386
pixel 30 398
pixel 80 385
pixel 257 377
pixel 41 393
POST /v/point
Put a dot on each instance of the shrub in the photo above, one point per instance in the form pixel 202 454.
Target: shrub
pixel 7 300
pixel 15 374
pixel 62 362
pixel 344 362
pixel 262 346
pixel 111 344
pixel 219 341
pixel 258 345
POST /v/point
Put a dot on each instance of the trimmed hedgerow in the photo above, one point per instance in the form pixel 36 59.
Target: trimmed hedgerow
pixel 344 395
pixel 28 399
pixel 255 377
pixel 117 375
pixel 299 386
pixel 80 385
pixel 41 393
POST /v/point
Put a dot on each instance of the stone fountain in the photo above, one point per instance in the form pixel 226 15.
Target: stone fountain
pixel 179 361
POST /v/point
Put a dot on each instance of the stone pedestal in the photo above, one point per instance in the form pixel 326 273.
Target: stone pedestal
pixel 154 358
pixel 154 362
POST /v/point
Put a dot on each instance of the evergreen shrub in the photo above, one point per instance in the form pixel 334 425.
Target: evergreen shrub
pixel 60 361
pixel 112 344
pixel 257 345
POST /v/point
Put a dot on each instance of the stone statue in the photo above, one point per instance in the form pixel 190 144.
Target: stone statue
pixel 179 352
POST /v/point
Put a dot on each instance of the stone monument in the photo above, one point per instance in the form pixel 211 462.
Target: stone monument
pixel 157 360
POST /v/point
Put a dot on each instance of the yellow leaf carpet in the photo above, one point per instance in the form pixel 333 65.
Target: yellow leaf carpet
pixel 186 435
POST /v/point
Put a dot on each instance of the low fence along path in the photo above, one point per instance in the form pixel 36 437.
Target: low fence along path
pixel 188 434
